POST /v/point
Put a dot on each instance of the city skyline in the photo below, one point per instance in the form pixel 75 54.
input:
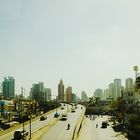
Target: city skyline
pixel 86 43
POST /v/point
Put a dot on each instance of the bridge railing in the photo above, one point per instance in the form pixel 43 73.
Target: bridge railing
pixel 78 126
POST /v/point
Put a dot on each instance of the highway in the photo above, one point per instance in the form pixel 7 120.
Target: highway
pixel 59 130
pixel 36 125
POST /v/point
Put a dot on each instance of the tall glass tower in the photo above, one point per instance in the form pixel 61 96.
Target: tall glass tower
pixel 8 88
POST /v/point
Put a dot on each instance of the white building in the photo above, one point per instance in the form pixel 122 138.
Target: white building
pixel 117 88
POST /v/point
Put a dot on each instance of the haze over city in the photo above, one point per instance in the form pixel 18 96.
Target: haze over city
pixel 86 43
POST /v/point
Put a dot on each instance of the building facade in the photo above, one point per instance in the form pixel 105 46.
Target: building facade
pixel 98 93
pixel 8 88
pixel 61 91
pixel 69 94
pixel 84 97
pixel 111 90
pixel 117 89
pixel 47 94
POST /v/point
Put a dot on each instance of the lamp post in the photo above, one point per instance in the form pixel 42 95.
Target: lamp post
pixel 30 117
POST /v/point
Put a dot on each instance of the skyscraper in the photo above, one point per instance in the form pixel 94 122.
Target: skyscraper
pixel 47 94
pixel 8 88
pixel 111 90
pixel 37 92
pixel 117 88
pixel 98 93
pixel 84 97
pixel 129 84
pixel 69 94
pixel 60 91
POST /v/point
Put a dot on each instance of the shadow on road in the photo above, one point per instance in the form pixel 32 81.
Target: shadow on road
pixel 118 127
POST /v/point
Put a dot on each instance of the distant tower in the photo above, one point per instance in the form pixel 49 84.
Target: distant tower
pixel 60 91
pixel 117 88
pixel 129 84
pixel 8 88
pixel 84 97
pixel 98 93
pixel 69 94
pixel 111 90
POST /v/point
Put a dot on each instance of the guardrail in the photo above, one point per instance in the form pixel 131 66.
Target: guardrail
pixel 78 126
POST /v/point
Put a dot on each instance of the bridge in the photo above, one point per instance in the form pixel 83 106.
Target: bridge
pixel 55 128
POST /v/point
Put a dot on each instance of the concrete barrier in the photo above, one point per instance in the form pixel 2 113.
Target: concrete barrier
pixel 36 135
pixel 78 126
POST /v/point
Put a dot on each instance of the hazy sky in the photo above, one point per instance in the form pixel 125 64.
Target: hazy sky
pixel 87 43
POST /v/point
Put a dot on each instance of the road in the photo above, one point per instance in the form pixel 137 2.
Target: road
pixel 90 132
pixel 36 125
pixel 59 130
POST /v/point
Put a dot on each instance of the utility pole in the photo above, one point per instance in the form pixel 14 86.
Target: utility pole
pixel 22 108
pixel 123 108
pixel 30 117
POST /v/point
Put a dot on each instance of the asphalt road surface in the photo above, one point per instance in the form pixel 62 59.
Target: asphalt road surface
pixel 59 130
pixel 90 132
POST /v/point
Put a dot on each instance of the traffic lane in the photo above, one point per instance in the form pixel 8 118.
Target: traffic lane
pixel 35 126
pixel 90 132
pixel 59 130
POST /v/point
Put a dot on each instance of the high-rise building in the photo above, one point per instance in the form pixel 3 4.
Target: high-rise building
pixel 8 88
pixel 73 97
pixel 84 97
pixel 69 94
pixel 38 92
pixel 99 93
pixel 111 90
pixel 106 94
pixel 128 93
pixel 117 88
pixel 60 91
pixel 47 94
pixel 129 84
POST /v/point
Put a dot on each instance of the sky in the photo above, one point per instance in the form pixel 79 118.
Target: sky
pixel 87 43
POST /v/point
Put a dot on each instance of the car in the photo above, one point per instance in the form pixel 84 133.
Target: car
pixel 42 118
pixel 56 115
pixel 64 116
pixel 104 124
pixel 20 135
pixel 73 110
pixel 62 108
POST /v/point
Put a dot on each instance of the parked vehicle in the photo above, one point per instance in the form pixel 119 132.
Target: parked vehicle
pixel 104 124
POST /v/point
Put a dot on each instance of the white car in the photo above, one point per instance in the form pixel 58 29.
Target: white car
pixel 64 116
